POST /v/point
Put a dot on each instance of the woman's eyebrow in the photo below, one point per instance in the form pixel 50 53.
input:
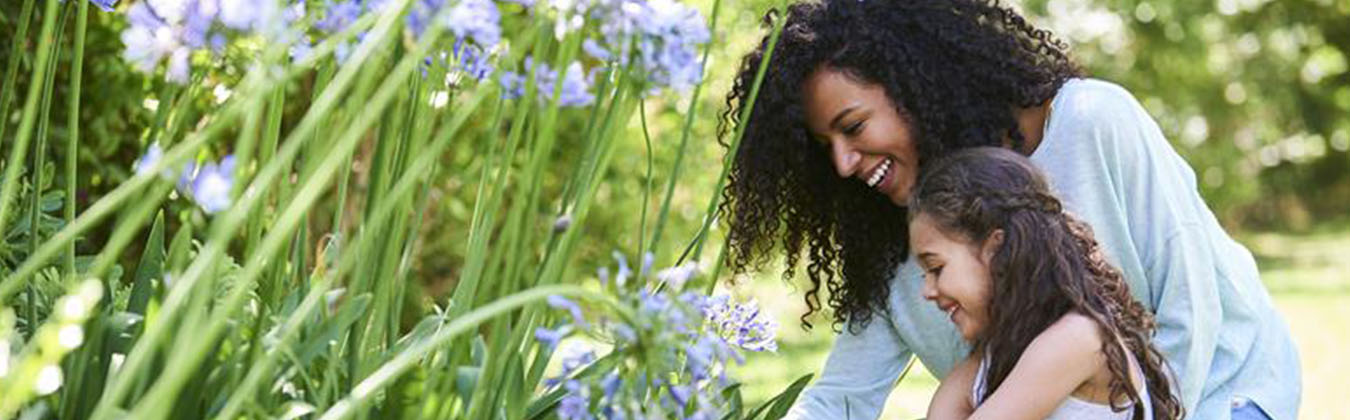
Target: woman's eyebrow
pixel 843 113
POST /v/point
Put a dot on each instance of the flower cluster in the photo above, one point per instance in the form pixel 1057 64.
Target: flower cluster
pixel 657 38
pixel 173 30
pixel 673 350
pixel 665 36
pixel 475 24
pixel 575 87
pixel 209 185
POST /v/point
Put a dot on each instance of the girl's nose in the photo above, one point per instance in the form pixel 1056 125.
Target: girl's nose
pixel 845 158
pixel 929 289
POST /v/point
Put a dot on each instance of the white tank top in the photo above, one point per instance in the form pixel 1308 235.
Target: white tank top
pixel 1072 408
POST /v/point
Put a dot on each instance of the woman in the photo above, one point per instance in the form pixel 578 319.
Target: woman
pixel 860 94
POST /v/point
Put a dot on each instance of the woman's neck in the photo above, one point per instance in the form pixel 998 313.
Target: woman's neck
pixel 1031 123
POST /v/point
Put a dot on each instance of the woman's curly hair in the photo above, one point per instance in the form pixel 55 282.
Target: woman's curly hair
pixel 1047 266
pixel 955 70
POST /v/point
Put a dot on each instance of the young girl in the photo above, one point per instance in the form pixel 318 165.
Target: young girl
pixel 1054 331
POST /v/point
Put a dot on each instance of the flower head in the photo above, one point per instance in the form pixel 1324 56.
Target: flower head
pixel 210 186
pixel 105 5
pixel 478 20
pixel 152 156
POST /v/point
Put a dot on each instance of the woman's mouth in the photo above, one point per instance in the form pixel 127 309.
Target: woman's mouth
pixel 879 173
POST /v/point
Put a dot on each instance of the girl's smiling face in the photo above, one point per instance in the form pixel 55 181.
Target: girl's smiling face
pixel 956 273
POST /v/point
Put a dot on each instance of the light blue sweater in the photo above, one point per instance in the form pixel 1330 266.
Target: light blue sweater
pixel 1110 164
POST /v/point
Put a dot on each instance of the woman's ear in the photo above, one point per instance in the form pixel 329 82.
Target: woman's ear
pixel 991 245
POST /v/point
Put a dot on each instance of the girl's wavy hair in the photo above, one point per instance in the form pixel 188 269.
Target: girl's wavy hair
pixel 1048 265
pixel 955 69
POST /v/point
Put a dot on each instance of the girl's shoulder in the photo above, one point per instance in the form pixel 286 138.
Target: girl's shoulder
pixel 1074 335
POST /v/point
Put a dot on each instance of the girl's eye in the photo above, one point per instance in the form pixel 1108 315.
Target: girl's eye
pixel 854 128
pixel 935 271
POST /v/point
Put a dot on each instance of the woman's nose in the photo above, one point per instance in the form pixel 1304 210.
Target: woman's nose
pixel 845 158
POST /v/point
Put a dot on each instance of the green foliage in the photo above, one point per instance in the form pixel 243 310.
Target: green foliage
pixel 1253 93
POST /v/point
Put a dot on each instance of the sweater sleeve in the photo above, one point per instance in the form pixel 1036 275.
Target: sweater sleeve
pixel 858 376
pixel 1128 181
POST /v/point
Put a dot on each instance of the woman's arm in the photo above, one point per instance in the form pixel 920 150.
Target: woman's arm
pixel 1057 362
pixel 858 376
pixel 952 400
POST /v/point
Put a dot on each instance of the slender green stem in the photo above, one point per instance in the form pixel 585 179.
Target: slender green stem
pixel 646 189
pixel 711 214
pixel 16 53
pixel 17 154
pixel 73 126
pixel 184 363
pixel 689 117
pixel 40 149
pixel 254 83
pixel 287 334
pixel 400 363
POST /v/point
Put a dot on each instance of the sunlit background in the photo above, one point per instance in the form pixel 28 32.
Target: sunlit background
pixel 1254 93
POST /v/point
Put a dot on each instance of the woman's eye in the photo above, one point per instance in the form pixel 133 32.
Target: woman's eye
pixel 854 128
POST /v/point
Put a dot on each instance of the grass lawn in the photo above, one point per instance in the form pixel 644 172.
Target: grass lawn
pixel 1308 275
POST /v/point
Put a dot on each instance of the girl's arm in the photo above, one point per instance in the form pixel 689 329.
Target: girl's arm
pixel 1057 362
pixel 952 400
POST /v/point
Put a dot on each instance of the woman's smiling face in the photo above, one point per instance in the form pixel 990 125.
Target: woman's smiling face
pixel 956 273
pixel 867 137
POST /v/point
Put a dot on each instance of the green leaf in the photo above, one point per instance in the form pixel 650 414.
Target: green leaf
pixel 778 405
pixel 544 404
pixel 735 405
pixel 52 201
pixel 122 329
pixel 466 378
pixel 334 327
pixel 151 267
pixel 180 248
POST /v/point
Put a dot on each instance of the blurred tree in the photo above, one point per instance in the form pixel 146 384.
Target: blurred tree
pixel 1254 93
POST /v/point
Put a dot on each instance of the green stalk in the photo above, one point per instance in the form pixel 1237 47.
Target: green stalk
pixel 689 116
pixel 12 65
pixel 125 191
pixel 40 151
pixel 20 150
pixel 647 189
pixel 73 125
pixel 259 371
pixel 184 363
pixel 245 155
pixel 711 213
pixel 255 83
pixel 400 363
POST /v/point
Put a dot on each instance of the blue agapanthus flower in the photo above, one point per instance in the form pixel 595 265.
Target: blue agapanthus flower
pixel 478 20
pixel 152 156
pixel 575 92
pixel 668 34
pixel 211 185
pixel 576 405
pixel 105 5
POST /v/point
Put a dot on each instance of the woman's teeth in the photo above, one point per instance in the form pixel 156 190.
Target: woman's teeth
pixel 879 174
